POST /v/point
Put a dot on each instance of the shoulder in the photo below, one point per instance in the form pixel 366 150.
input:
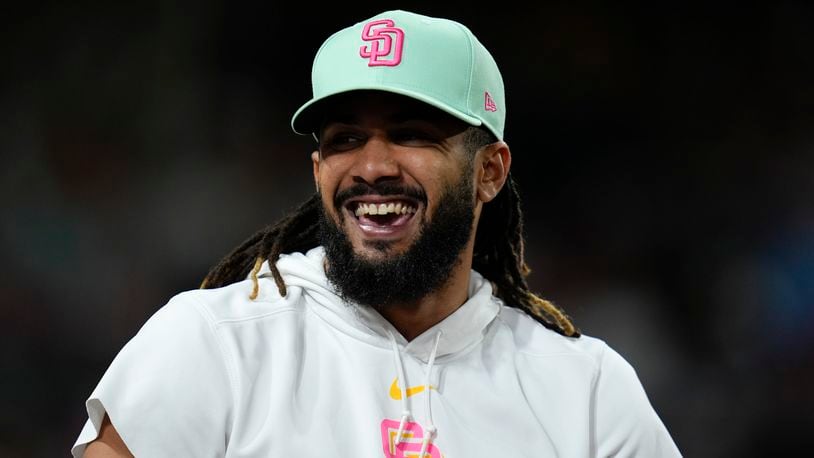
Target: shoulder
pixel 624 421
pixel 229 304
pixel 535 340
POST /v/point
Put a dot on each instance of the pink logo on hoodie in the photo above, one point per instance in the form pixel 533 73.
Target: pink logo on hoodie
pixel 410 445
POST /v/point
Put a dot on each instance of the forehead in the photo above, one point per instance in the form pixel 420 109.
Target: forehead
pixel 359 107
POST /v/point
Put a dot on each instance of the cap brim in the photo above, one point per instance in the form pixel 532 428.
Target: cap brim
pixel 307 119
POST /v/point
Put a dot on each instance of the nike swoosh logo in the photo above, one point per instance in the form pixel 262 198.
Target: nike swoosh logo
pixel 395 391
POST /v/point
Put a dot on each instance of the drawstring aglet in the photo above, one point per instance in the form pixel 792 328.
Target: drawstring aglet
pixel 429 435
pixel 405 417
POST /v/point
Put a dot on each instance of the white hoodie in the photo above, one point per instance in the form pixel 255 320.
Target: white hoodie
pixel 214 374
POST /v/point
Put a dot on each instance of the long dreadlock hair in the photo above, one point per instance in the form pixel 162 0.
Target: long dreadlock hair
pixel 498 255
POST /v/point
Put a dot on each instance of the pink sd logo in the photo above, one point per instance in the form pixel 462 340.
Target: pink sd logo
pixel 410 445
pixel 385 40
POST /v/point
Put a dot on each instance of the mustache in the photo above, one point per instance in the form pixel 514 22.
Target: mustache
pixel 380 189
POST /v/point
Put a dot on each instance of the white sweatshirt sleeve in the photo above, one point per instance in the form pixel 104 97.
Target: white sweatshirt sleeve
pixel 625 423
pixel 167 392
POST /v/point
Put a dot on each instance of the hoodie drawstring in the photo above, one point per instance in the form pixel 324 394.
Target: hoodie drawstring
pixel 402 382
pixel 430 431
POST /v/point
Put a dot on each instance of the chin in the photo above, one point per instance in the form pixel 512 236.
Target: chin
pixel 378 249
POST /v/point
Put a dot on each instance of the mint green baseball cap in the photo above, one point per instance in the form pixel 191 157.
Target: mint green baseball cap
pixel 434 60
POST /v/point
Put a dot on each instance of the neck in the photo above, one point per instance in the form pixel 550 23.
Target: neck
pixel 412 319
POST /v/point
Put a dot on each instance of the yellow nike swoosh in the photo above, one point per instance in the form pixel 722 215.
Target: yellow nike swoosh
pixel 395 391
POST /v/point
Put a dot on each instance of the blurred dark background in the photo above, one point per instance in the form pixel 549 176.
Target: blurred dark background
pixel 665 156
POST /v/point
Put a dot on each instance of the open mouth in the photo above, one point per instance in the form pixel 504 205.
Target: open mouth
pixel 379 215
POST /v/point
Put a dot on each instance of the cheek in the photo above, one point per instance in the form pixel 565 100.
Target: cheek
pixel 436 176
pixel 427 170
pixel 332 173
pixel 327 180
pixel 330 182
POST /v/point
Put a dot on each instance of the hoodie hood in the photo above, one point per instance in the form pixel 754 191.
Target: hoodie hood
pixel 305 279
pixel 304 274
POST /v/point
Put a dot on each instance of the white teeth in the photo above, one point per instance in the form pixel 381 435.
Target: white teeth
pixel 383 209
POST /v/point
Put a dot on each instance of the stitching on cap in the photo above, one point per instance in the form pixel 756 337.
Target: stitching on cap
pixel 468 36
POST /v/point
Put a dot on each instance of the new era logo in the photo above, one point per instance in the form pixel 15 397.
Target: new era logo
pixel 488 102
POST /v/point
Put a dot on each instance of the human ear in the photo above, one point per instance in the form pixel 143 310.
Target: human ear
pixel 315 161
pixel 494 162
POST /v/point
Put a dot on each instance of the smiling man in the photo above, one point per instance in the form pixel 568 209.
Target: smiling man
pixel 388 316
pixel 399 205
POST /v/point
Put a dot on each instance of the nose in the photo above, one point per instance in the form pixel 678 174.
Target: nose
pixel 376 162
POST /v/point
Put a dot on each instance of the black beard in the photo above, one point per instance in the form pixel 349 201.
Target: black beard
pixel 407 277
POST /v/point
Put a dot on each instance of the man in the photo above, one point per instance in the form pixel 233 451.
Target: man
pixel 389 316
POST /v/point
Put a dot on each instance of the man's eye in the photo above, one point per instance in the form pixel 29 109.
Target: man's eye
pixel 413 137
pixel 343 142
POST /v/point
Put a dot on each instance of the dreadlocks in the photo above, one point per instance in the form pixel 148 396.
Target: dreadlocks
pixel 498 256
pixel 295 232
